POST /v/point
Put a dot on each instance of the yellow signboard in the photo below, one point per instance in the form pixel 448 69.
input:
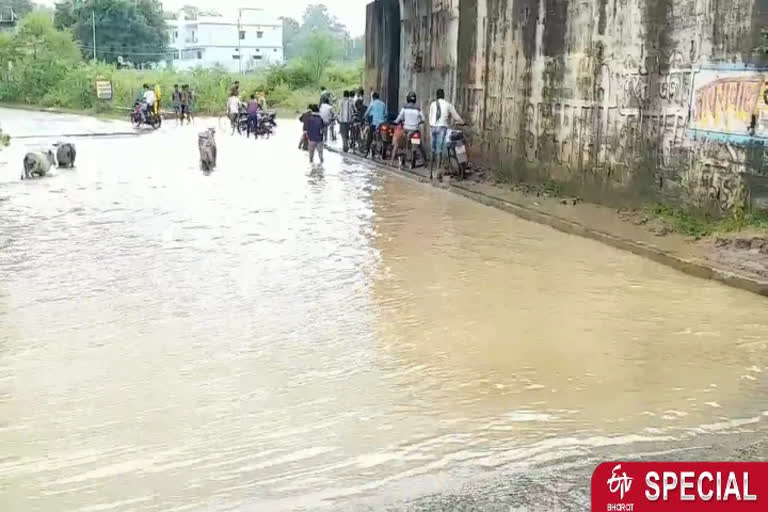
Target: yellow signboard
pixel 730 102
pixel 103 89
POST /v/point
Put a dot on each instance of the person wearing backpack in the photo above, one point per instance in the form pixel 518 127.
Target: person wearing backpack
pixel 441 115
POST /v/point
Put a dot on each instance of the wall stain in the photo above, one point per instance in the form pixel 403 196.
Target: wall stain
pixel 555 27
pixel 603 20
pixel 525 15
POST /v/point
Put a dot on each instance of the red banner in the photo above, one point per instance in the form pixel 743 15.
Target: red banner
pixel 680 487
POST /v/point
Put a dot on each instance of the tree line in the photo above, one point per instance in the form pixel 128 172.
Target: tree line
pixel 136 30
pixel 43 65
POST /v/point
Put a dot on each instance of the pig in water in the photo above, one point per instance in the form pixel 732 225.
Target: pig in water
pixel 37 163
pixel 65 154
pixel 206 143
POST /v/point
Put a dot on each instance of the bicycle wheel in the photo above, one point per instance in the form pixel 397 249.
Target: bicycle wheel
pixel 360 148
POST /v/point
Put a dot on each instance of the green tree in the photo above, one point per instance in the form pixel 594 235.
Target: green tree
pixel 291 33
pixel 356 48
pixel 133 29
pixel 8 54
pixel 319 51
pixel 317 18
pixel 43 56
pixel 64 16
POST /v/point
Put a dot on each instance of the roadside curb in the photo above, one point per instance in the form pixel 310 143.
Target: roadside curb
pixel 107 114
pixel 691 267
pixel 79 135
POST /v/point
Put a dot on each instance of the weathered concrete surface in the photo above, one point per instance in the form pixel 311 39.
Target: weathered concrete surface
pixel 429 39
pixel 382 50
pixel 621 101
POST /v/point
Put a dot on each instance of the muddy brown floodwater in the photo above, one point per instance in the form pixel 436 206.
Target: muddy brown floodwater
pixel 272 337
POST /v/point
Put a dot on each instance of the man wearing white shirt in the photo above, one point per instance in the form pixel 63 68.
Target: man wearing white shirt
pixel 441 115
pixel 149 100
pixel 233 110
pixel 326 112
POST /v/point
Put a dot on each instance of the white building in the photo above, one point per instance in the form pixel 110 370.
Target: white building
pixel 243 42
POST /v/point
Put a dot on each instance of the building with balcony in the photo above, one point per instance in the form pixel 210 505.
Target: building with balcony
pixel 244 42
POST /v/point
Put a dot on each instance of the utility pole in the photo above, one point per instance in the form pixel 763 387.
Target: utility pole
pixel 93 25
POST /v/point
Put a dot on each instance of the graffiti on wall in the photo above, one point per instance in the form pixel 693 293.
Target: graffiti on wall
pixel 730 102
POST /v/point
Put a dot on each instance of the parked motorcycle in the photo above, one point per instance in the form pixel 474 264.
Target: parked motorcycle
pixel 267 124
pixel 382 141
pixel 457 152
pixel 150 118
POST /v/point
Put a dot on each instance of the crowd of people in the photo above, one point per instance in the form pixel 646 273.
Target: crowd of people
pixel 182 99
pixel 320 118
pixel 253 108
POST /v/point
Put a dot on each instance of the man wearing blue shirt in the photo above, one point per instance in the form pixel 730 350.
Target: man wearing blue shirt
pixel 378 112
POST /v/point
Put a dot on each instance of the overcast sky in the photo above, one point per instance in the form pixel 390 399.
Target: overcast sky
pixel 350 12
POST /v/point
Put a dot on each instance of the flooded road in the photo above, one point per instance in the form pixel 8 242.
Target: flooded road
pixel 276 337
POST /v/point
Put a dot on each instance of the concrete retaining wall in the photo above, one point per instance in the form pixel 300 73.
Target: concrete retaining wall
pixel 620 101
pixel 382 50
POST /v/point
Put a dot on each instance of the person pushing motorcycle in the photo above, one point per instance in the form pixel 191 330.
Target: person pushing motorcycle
pixel 412 118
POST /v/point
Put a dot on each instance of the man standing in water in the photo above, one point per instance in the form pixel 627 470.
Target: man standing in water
pixel 326 112
pixel 176 100
pixel 346 114
pixel 186 103
pixel 233 110
pixel 315 130
pixel 253 116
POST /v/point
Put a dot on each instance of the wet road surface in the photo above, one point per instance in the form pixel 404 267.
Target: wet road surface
pixel 281 337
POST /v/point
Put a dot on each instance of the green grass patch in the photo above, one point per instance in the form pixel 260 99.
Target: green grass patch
pixel 701 225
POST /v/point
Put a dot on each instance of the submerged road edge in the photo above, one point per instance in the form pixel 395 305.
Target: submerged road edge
pixel 693 267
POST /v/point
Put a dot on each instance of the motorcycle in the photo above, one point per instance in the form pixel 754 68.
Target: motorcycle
pixel 383 141
pixel 416 150
pixel 457 152
pixel 150 118
pixel 267 124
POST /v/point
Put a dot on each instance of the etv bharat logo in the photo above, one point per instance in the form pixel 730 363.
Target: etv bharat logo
pixel 619 483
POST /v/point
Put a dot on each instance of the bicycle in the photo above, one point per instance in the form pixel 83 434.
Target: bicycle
pixel 362 147
pixel 354 136
pixel 455 151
